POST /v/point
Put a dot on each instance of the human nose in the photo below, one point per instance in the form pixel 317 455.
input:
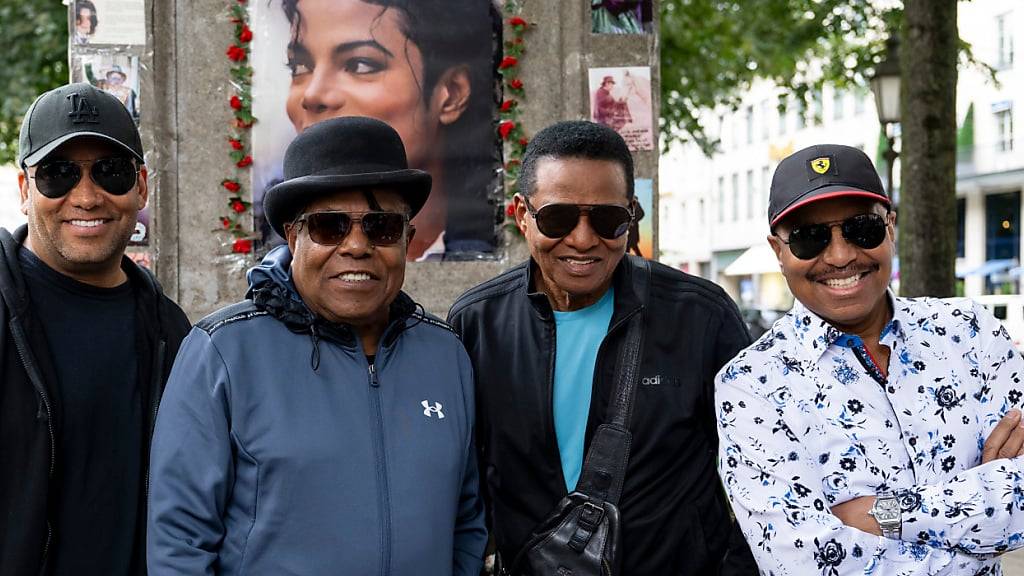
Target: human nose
pixel 355 244
pixel 86 194
pixel 582 237
pixel 839 252
pixel 322 95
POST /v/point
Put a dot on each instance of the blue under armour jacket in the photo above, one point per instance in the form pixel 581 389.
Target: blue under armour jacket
pixel 280 451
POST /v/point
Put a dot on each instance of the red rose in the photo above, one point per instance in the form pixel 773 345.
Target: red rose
pixel 235 144
pixel 244 162
pixel 507 105
pixel 517 41
pixel 510 210
pixel 231 185
pixel 516 21
pixel 238 206
pixel 236 103
pixel 242 245
pixel 515 84
pixel 242 123
pixel 505 128
pixel 512 163
pixel 523 141
pixel 245 35
pixel 508 62
pixel 235 53
pixel 225 222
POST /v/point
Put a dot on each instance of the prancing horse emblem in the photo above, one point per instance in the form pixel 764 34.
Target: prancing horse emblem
pixel 821 165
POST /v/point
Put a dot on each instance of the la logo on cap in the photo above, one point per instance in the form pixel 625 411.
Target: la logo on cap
pixel 821 165
pixel 82 111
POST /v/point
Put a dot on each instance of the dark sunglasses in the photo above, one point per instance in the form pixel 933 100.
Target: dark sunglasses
pixel 609 221
pixel 55 178
pixel 865 231
pixel 331 228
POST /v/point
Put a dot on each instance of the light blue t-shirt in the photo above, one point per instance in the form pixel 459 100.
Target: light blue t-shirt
pixel 578 336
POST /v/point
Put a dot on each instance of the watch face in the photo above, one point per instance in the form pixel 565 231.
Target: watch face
pixel 886 510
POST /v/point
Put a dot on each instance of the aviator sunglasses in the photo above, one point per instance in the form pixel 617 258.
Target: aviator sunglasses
pixel 55 178
pixel 865 231
pixel 331 228
pixel 609 221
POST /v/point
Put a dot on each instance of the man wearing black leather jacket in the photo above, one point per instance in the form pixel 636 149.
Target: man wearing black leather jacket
pixel 544 338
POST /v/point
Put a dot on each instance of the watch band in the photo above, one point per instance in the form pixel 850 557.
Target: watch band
pixel 891 528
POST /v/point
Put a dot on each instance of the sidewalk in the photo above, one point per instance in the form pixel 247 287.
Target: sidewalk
pixel 1013 564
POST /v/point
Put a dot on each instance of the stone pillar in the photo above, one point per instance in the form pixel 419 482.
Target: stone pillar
pixel 188 87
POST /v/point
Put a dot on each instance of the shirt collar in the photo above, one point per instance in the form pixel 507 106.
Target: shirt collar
pixel 816 335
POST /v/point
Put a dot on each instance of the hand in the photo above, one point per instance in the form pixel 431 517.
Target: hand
pixel 854 513
pixel 1006 439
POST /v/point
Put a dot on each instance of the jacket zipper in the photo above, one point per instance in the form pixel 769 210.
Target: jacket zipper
pixel 380 454
pixel 19 342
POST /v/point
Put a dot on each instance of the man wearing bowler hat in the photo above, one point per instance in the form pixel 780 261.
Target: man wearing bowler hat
pixel 86 344
pixel 324 425
pixel 867 433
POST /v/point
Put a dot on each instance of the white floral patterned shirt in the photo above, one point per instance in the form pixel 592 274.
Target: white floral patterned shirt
pixel 807 421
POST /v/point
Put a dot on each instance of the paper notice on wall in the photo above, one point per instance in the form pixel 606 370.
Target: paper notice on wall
pixel 106 22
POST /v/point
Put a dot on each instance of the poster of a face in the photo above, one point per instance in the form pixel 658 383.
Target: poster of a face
pixel 108 22
pixel 641 233
pixel 621 16
pixel 621 99
pixel 428 68
pixel 116 74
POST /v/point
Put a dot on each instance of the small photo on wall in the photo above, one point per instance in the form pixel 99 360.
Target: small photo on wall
pixel 621 16
pixel 116 74
pixel 105 22
pixel 641 234
pixel 621 99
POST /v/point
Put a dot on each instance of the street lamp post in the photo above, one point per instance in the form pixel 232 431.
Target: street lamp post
pixel 886 85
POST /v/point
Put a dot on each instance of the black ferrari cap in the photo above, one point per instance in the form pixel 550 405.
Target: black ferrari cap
pixel 72 111
pixel 820 172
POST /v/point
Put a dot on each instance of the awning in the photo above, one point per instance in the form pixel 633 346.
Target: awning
pixel 989 268
pixel 758 259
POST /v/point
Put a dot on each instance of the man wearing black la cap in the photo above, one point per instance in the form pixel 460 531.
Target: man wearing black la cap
pixel 87 342
pixel 866 432
pixel 325 424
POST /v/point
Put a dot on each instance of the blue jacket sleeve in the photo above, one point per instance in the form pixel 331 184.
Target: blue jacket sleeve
pixel 470 532
pixel 190 463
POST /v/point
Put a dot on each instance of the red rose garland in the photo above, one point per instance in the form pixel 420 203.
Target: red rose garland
pixel 510 128
pixel 236 221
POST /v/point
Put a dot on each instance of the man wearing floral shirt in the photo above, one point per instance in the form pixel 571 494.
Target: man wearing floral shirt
pixel 865 433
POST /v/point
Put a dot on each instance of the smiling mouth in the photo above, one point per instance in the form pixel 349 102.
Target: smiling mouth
pixel 355 277
pixel 847 282
pixel 87 223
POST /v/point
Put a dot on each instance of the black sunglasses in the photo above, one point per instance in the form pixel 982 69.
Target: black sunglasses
pixel 865 231
pixel 609 221
pixel 331 228
pixel 55 178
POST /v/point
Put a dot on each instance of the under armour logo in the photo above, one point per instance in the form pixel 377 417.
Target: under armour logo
pixel 82 111
pixel 428 410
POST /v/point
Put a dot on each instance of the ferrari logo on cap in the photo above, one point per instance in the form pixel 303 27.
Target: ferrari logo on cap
pixel 821 165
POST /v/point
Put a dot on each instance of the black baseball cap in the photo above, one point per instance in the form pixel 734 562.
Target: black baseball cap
pixel 821 172
pixel 72 111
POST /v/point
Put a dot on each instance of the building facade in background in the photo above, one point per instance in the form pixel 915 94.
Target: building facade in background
pixel 714 210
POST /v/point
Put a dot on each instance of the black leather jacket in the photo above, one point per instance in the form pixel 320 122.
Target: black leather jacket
pixel 30 414
pixel 674 515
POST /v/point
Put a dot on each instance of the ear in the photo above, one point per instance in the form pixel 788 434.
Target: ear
pixel 451 95
pixel 143 185
pixel 520 212
pixel 23 190
pixel 776 245
pixel 409 235
pixel 291 233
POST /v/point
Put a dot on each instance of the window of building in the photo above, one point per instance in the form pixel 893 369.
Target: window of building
pixel 750 194
pixel 766 184
pixel 1004 41
pixel 961 226
pixel 703 212
pixel 783 115
pixel 735 197
pixel 860 97
pixel 1002 232
pixel 838 104
pixel 816 107
pixel 765 112
pixel 721 198
pixel 1004 129
pixel 750 124
pixel 801 114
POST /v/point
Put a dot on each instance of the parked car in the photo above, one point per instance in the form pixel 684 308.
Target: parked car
pixel 1009 309
pixel 760 320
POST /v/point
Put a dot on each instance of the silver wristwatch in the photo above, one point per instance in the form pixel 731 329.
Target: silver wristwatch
pixel 888 514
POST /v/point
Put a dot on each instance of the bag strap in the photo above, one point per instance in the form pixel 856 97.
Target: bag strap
pixel 604 470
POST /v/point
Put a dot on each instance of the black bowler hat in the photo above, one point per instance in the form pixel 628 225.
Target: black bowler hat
pixel 821 172
pixel 342 153
pixel 72 111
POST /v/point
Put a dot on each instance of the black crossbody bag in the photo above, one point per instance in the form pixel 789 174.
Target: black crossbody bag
pixel 581 536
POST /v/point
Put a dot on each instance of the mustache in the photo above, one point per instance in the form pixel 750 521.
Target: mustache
pixel 835 271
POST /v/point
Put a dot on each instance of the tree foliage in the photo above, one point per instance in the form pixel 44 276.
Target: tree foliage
pixel 35 34
pixel 712 50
